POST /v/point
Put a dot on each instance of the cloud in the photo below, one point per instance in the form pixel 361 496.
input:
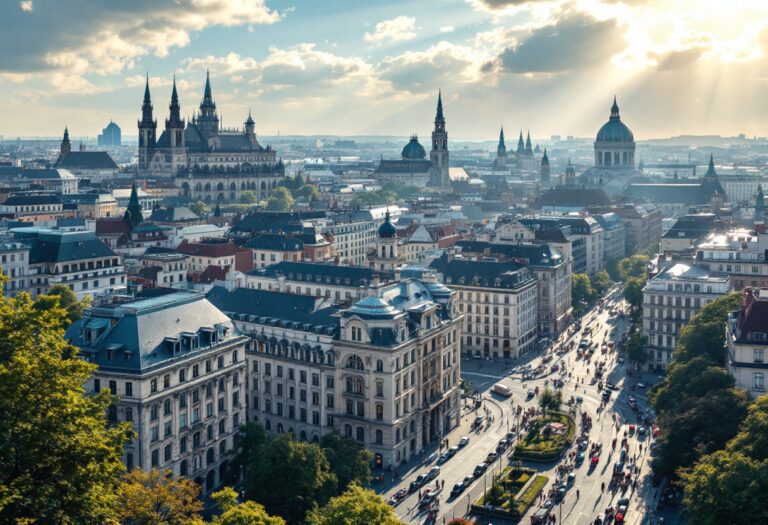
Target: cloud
pixel 74 85
pixel 106 37
pixel 397 29
pixel 676 60
pixel 26 5
pixel 227 65
pixel 571 43
pixel 447 29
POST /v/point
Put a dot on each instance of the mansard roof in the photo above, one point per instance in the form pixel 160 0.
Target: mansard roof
pixel 86 160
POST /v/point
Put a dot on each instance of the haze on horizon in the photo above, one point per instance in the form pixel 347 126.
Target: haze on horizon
pixel 342 67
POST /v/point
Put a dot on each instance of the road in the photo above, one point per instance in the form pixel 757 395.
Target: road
pixel 608 422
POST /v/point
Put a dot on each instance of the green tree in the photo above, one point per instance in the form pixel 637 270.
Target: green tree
pixel 722 485
pixel 705 334
pixel 550 400
pixel 633 291
pixel 612 267
pixel 634 266
pixel 373 198
pixel 247 197
pixel 59 460
pixel 348 459
pixel 152 498
pixel 289 477
pixel 308 191
pixel 246 513
pixel 250 446
pixel 61 294
pixel 601 282
pixel 581 289
pixel 356 506
pixel 636 349
pixel 199 208
pixel 688 380
pixel 280 200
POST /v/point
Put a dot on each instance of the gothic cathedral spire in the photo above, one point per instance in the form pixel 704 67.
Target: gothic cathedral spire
pixel 133 214
pixel 147 129
pixel 438 156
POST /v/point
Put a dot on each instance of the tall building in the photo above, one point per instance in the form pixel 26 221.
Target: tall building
pixel 178 368
pixel 110 136
pixel 615 143
pixel 386 257
pixel 746 339
pixel 759 218
pixel 206 162
pixel 500 162
pixel 438 156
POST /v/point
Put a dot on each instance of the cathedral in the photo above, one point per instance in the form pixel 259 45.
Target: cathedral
pixel 207 162
pixel 524 158
pixel 413 169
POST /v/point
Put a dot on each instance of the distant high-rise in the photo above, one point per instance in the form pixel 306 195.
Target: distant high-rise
pixel 110 136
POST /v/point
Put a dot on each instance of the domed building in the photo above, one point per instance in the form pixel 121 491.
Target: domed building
pixel 413 150
pixel 615 143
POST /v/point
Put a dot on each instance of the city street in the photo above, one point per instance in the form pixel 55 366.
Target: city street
pixel 609 422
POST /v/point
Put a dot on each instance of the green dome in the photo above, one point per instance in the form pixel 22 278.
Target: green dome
pixel 413 150
pixel 615 130
pixel 387 229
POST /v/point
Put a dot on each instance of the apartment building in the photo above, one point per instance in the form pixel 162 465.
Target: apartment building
pixel 670 300
pixel 14 263
pixel 741 253
pixel 746 338
pixel 178 367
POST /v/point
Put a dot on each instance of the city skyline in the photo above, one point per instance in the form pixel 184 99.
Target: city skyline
pixel 341 69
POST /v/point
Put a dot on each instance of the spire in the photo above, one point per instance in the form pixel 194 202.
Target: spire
pixel 133 214
pixel 174 120
pixel 147 98
pixel 615 109
pixel 174 94
pixel 520 143
pixel 711 169
pixel 501 137
pixel 207 93
pixel 528 145
pixel 439 115
pixel 66 134
pixel 545 159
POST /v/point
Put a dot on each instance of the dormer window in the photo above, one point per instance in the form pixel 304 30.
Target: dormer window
pixel 758 336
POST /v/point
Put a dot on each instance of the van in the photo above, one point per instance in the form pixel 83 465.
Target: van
pixel 502 389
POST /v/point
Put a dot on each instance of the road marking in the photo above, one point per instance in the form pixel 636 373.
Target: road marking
pixel 481 375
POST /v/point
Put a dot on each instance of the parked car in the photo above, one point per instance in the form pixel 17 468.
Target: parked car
pixel 433 473
pixel 397 497
pixel 452 451
pixel 457 489
pixel 492 456
pixel 479 469
pixel 427 499
pixel 463 441
pixel 580 458
pixel 531 393
pixel 442 459
pixel 431 458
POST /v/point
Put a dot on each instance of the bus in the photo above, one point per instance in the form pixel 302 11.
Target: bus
pixel 502 389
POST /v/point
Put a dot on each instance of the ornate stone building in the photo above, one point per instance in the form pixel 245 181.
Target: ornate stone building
pixel 207 162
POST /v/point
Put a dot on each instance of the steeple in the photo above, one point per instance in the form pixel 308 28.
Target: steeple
pixel 545 169
pixel 615 109
pixel 528 145
pixel 174 120
pixel 520 143
pixel 133 214
pixel 66 146
pixel 759 220
pixel 147 129
pixel 438 155
pixel 439 116
pixel 249 125
pixel 208 120
pixel 501 149
pixel 711 169
pixel 570 174
pixel 146 106
pixel 207 93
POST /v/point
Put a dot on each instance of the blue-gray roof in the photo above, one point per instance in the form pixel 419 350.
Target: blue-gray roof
pixel 529 254
pixel 139 335
pixel 319 272
pixel 31 200
pixel 62 246
pixel 486 274
pixel 275 242
pixel 90 160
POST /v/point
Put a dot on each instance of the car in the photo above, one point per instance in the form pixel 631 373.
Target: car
pixel 427 499
pixel 478 421
pixel 610 385
pixel 579 399
pixel 414 486
pixel 560 495
pixel 632 401
pixel 548 504
pixel 571 478
pixel 452 451
pixel 621 360
pixel 641 431
pixel 618 466
pixel 492 456
pixel 431 458
pixel 622 505
pixel 463 441
pixel 531 393
pixel 502 444
pixel 641 385
pixel 479 469
pixel 606 395
pixel 442 459
pixel 468 480
pixel 623 454
pixel 433 473
pixel 457 489
pixel 580 458
pixel 397 497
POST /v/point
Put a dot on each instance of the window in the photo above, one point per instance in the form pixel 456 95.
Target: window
pixel 195 371
pixel 380 365
pixel 329 400
pixel 166 381
pixel 380 388
pixel 758 355
pixel 128 388
pixel 129 414
pixel 152 386
pixel 759 381
pixel 153 413
pixel 155 458
pixel 182 400
pixel 154 434
pixel 379 412
pixel 182 375
pixel 182 421
pixel 379 437
pixel 167 453
pixel 302 376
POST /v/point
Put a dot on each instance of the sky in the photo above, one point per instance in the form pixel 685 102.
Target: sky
pixel 352 67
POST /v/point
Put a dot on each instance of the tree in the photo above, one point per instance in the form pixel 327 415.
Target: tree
pixel 581 289
pixel 722 485
pixel 246 513
pixel 247 197
pixel 348 459
pixel 601 283
pixel 688 380
pixel 62 295
pixel 149 498
pixel 705 334
pixel 636 348
pixel 634 266
pixel 550 400
pixel 199 208
pixel 289 477
pixel 59 460
pixel 308 191
pixel 250 446
pixel 633 291
pixel 356 506
pixel 612 267
pixel 280 200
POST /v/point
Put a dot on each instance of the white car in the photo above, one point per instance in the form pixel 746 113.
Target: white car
pixel 463 441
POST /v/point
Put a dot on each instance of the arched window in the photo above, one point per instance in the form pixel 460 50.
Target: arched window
pixel 184 468
pixel 355 363
pixel 379 411
pixel 209 455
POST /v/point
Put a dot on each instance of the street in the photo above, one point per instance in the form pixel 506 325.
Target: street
pixel 609 421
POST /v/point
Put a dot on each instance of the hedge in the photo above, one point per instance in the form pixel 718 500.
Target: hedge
pixel 524 501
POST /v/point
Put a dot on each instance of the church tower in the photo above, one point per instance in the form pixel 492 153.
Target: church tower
pixel 174 130
pixel 520 144
pixel 147 130
pixel 501 152
pixel 570 175
pixel 545 170
pixel 528 145
pixel 66 146
pixel 208 119
pixel 133 214
pixel 386 257
pixel 438 172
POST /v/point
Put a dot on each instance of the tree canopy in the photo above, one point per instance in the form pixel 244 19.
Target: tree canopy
pixel 633 290
pixel 373 198
pixel 155 498
pixel 356 506
pixel 246 513
pixel 705 334
pixel 348 459
pixel 280 200
pixel 61 294
pixel 247 197
pixel 633 266
pixel 601 282
pixel 550 400
pixel 581 289
pixel 59 460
